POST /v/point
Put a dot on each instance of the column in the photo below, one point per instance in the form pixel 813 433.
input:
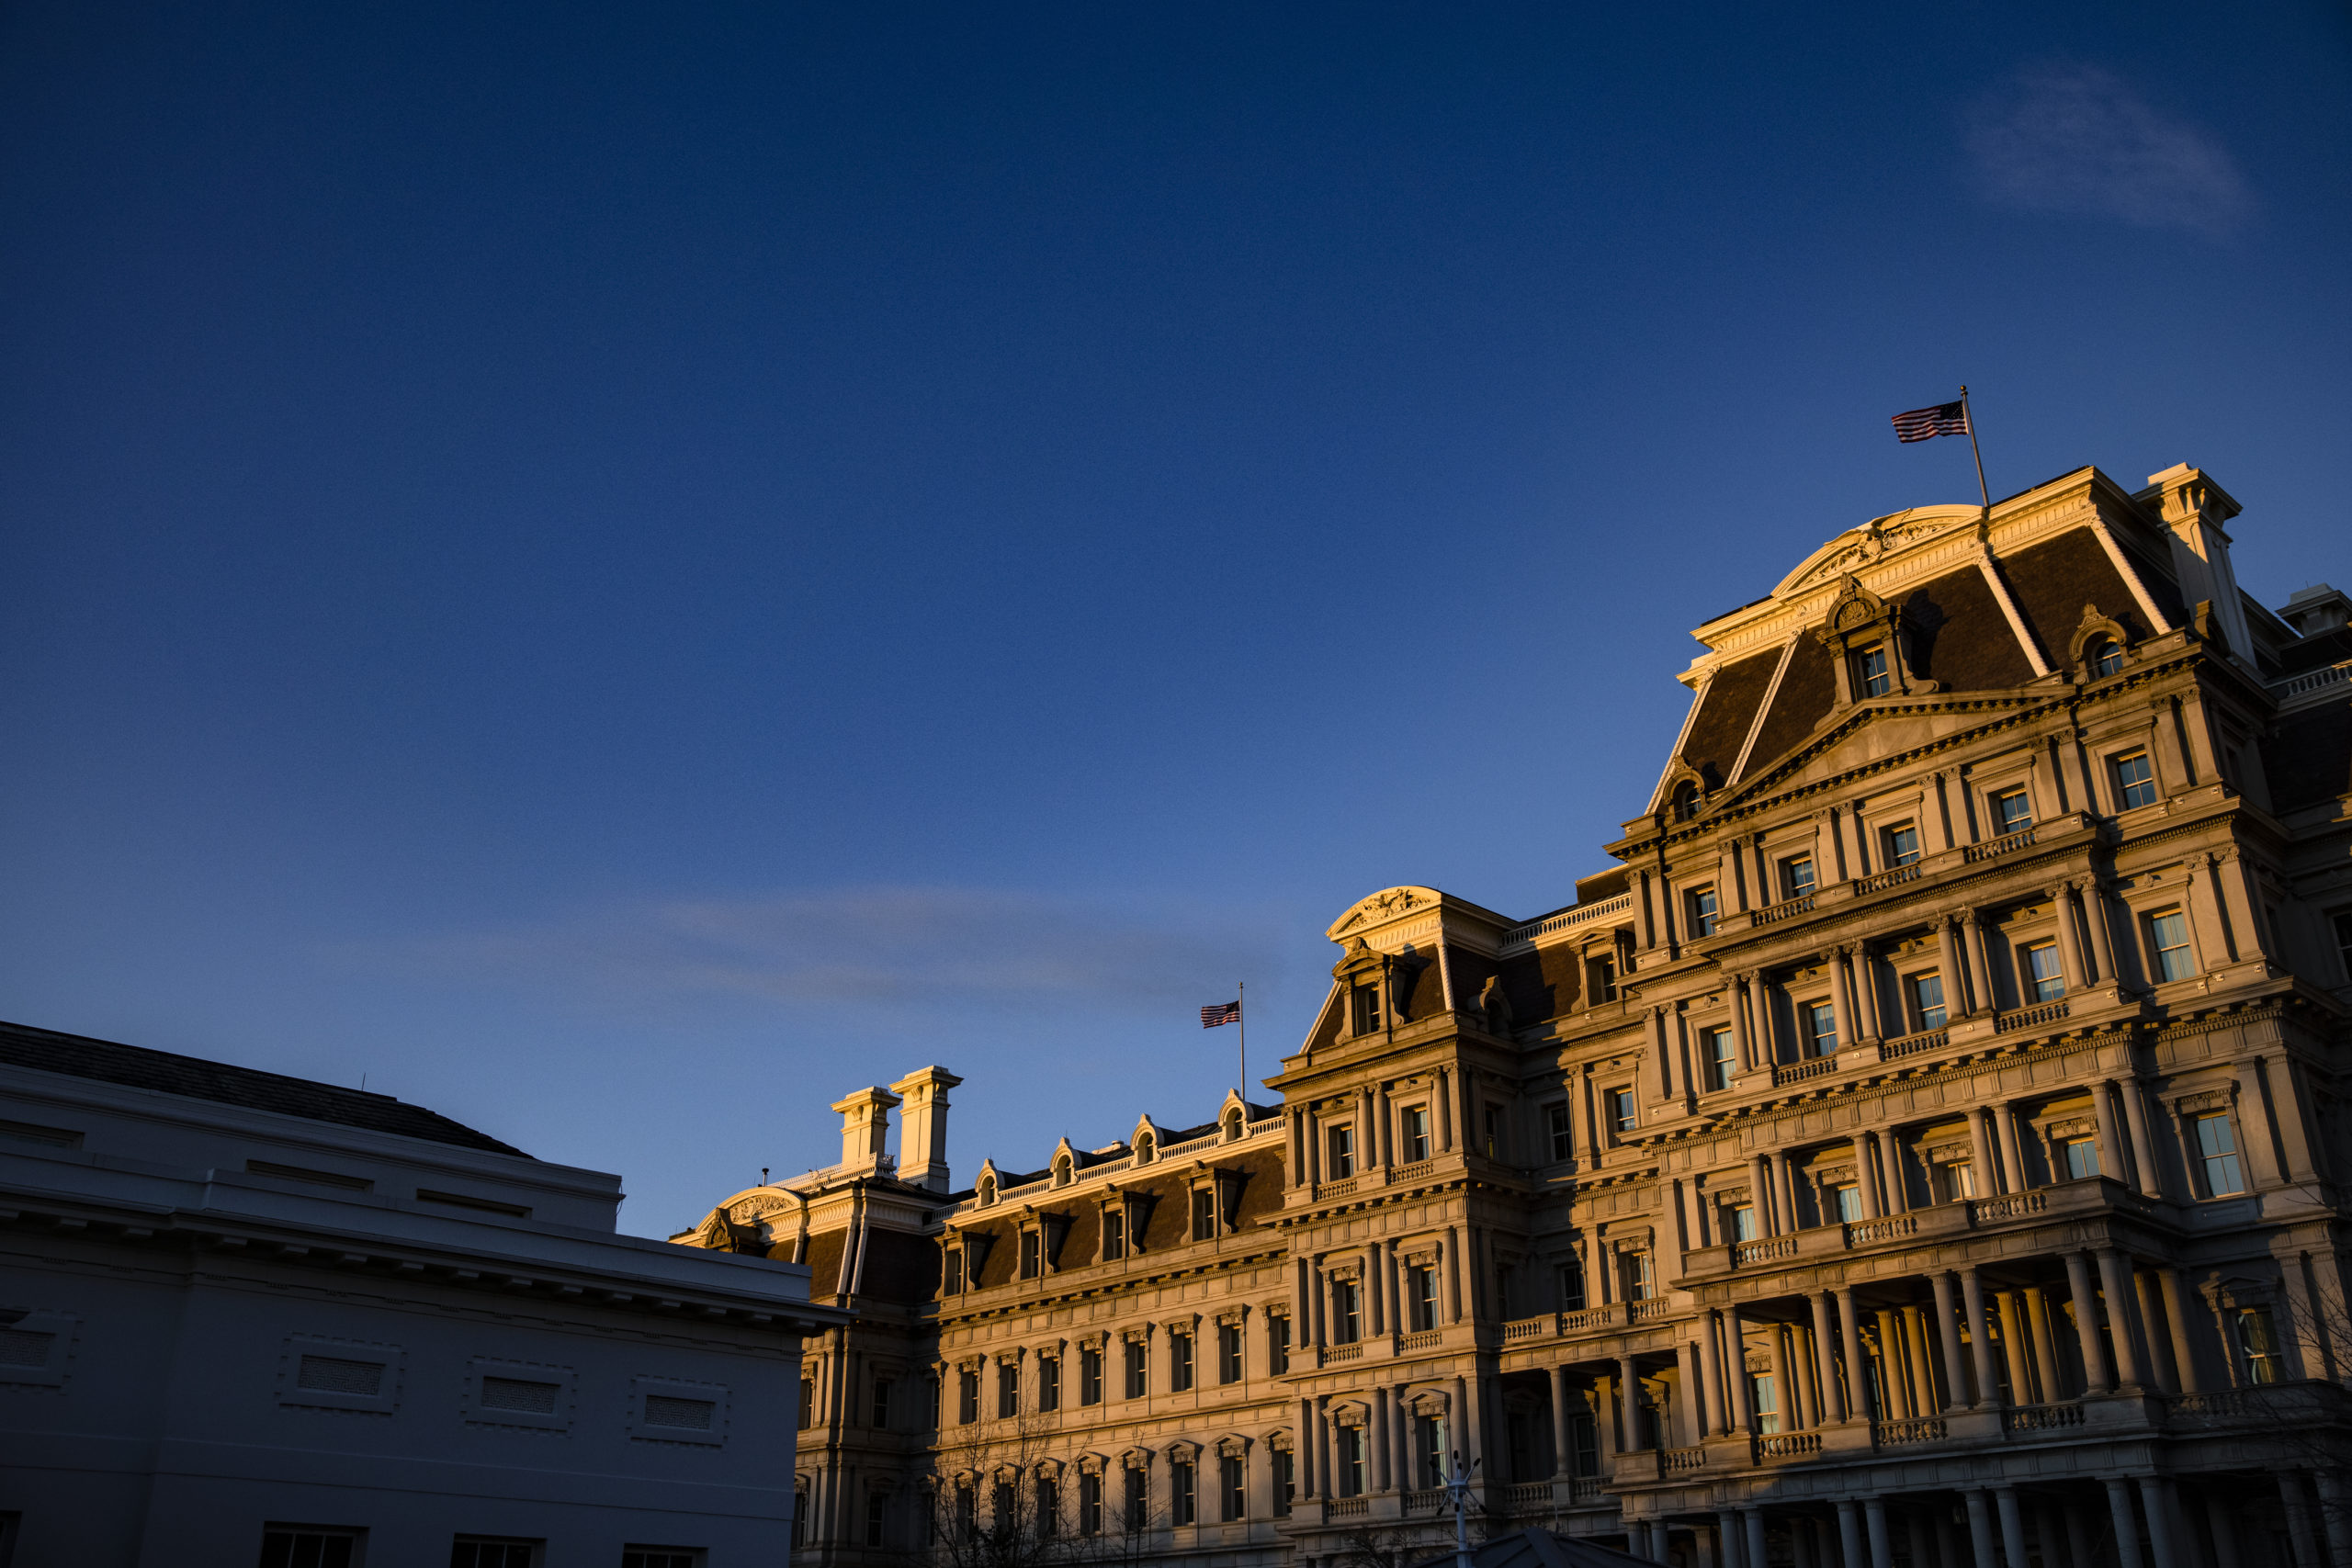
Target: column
pixel 2301 1539
pixel 1783 1192
pixel 2333 1501
pixel 1980 1528
pixel 1865 1176
pixel 1858 1372
pixel 1949 965
pixel 2014 1350
pixel 2078 1281
pixel 1980 1153
pixel 2157 1346
pixel 1898 1189
pixel 1833 1402
pixel 1980 1341
pixel 1382 1399
pixel 1923 1366
pixel 1375 1299
pixel 2184 1353
pixel 1400 1441
pixel 1717 1409
pixel 2127 1529
pixel 1323 1487
pixel 2115 1277
pixel 2012 1526
pixel 2111 1150
pixel 1727 1531
pixel 1948 1331
pixel 1754 1519
pixel 1838 1009
pixel 1759 1182
pixel 1441 1102
pixel 1694 1413
pixel 1850 1533
pixel 1776 1351
pixel 2153 1504
pixel 1979 996
pixel 2143 1159
pixel 2049 1379
pixel 1474 1426
pixel 2070 946
pixel 1743 1418
pixel 1629 1398
pixel 1560 1422
pixel 2012 1152
pixel 1866 992
pixel 1451 1263
pixel 1894 1384
pixel 1739 1042
pixel 2102 931
pixel 1881 1551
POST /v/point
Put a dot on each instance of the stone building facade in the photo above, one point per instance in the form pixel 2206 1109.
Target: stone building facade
pixel 1923 1146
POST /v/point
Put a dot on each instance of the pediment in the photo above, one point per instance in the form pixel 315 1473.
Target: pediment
pixel 1389 904
pixel 1862 737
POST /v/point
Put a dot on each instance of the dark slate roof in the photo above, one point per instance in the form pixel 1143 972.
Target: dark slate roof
pixel 135 1066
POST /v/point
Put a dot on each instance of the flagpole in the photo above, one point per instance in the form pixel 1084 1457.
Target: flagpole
pixel 1970 414
pixel 1242 1053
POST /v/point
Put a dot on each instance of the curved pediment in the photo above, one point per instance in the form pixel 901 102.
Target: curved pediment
pixel 1389 904
pixel 1857 547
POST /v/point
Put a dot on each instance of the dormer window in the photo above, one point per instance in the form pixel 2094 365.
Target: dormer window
pixel 1032 1254
pixel 1870 676
pixel 1686 801
pixel 2105 657
pixel 952 1279
pixel 1115 1232
pixel 1363 1009
pixel 1600 979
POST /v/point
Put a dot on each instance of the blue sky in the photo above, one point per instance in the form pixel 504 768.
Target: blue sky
pixel 625 571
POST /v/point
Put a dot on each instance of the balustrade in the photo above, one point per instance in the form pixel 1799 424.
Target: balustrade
pixel 2030 1018
pixel 1914 1429
pixel 2041 1417
pixel 1788 1445
pixel 1912 1044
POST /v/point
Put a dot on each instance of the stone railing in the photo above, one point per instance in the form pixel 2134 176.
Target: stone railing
pixel 1342 1352
pixel 1894 877
pixel 1347 1507
pixel 1585 1490
pixel 1788 1445
pixel 1425 1500
pixel 2311 680
pixel 1191 1144
pixel 1339 1189
pixel 2030 1018
pixel 1797 1072
pixel 1912 1044
pixel 2015 1206
pixel 1413 1172
pixel 2041 1417
pixel 1679 1461
pixel 1527 1494
pixel 1272 1124
pixel 1621 905
pixel 1531 1328
pixel 1421 1339
pixel 1917 1429
pixel 1648 1312
pixel 1588 1319
pixel 1892 1227
pixel 1750 1252
pixel 2020 840
pixel 1786 908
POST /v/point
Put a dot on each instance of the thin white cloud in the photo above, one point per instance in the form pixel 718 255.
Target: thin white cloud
pixel 2078 140
pixel 902 948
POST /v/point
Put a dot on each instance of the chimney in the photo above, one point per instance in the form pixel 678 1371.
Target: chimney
pixel 922 1135
pixel 2194 508
pixel 865 1127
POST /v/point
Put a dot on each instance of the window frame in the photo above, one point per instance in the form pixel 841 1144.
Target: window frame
pixel 1179 1360
pixel 1997 801
pixel 1232 1365
pixel 2231 1158
pixel 2159 955
pixel 2032 985
pixel 1623 1114
pixel 2123 788
pixel 1901 844
pixel 1090 1375
pixel 1560 1129
pixel 1135 1366
pixel 1916 1002
pixel 1810 1016
pixel 1720 1066
pixel 1701 912
pixel 1873 671
pixel 1364 1008
pixel 1339 1151
pixel 1790 885
pixel 1413 1123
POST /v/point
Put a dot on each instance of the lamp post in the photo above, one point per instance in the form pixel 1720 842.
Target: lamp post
pixel 1457 1493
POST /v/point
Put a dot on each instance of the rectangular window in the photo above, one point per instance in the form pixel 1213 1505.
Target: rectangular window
pixel 967 1396
pixel 1927 1001
pixel 1739 1222
pixel 1416 1121
pixel 1796 876
pixel 2217 1154
pixel 1115 1232
pixel 308 1546
pixel 1505 1290
pixel 1277 1344
pixel 1701 903
pixel 1493 1124
pixel 1286 1481
pixel 1846 1200
pixel 1342 1142
pixel 1229 1352
pixel 1179 1361
pixel 1090 1374
pixel 1138 1502
pixel 966 1513
pixel 1640 1283
pixel 1233 1481
pixel 2081 1156
pixel 1571 1286
pixel 2135 782
pixel 1428 1449
pixel 1032 1254
pixel 1600 979
pixel 1902 842
pixel 669 1556
pixel 1136 1384
pixel 1767 1394
pixel 1205 1214
pixel 1561 1129
pixel 931 1399
pixel 1347 1325
pixel 952 1279
pixel 1621 1112
pixel 883 1388
pixel 2038 963
pixel 487 1551
pixel 878 1506
pixel 2012 812
pixel 1349 1443
pixel 1716 1053
pixel 1364 1008
pixel 1049 1383
pixel 2258 1344
pixel 1870 678
pixel 1420 1297
pixel 1090 1503
pixel 1952 1181
pixel 1008 1390
pixel 808 1403
pixel 1180 1490
pixel 1821 1028
pixel 2168 939
pixel 1049 1508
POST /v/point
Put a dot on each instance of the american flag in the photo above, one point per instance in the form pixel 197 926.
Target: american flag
pixel 1220 1012
pixel 1925 424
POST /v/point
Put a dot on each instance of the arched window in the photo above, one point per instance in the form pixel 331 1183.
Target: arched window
pixel 2105 657
pixel 1686 801
pixel 1233 1124
pixel 1143 1148
pixel 1061 1172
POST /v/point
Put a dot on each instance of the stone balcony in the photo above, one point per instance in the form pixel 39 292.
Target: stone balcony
pixel 2088 1198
